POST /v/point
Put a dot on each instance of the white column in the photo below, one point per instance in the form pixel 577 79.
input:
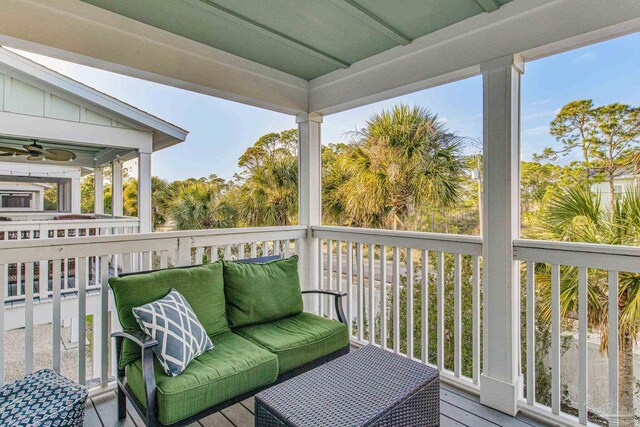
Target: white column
pixel 116 189
pixel 310 203
pixel 144 192
pixel 98 191
pixel 500 377
pixel 76 195
pixel 62 198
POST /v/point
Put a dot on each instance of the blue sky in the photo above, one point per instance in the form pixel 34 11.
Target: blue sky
pixel 221 130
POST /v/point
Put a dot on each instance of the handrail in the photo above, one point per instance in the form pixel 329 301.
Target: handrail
pixel 463 244
pixel 50 224
pixel 38 249
pixel 587 255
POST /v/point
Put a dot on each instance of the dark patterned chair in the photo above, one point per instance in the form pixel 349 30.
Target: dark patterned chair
pixel 42 399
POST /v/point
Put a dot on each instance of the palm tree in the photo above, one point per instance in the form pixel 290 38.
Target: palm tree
pixel 577 215
pixel 269 193
pixel 403 158
pixel 200 205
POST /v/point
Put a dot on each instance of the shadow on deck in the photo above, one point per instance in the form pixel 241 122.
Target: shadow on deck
pixel 457 408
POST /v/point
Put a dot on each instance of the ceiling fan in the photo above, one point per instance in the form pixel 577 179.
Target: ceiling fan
pixel 36 151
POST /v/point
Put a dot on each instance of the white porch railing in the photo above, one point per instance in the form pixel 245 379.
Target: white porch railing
pixel 15 273
pixel 391 278
pixel 384 273
pixel 584 262
pixel 50 228
pixel 97 258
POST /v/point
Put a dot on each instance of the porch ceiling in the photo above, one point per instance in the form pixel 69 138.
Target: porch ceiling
pixel 304 56
pixel 304 38
pixel 88 156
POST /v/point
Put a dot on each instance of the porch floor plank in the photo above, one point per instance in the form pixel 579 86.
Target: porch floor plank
pixel 471 404
pixel 106 408
pixel 457 408
pixel 216 420
pixel 238 415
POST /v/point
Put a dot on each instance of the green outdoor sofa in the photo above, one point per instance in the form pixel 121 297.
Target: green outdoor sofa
pixel 255 345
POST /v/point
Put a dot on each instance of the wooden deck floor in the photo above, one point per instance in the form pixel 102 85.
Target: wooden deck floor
pixel 457 408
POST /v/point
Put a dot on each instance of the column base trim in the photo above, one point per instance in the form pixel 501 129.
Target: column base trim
pixel 499 395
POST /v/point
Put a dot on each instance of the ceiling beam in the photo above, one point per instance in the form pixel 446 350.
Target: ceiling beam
pixel 275 34
pixel 372 21
pixel 489 5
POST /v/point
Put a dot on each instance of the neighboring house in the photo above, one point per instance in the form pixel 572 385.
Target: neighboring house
pixel 28 196
pixel 622 184
pixel 56 130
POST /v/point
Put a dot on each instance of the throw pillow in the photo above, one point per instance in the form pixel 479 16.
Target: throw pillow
pixel 172 322
pixel 261 292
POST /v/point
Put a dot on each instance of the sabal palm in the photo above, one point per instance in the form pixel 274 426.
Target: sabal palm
pixel 269 196
pixel 200 205
pixel 403 158
pixel 577 215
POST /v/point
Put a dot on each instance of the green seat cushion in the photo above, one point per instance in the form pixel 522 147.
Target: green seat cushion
pixel 261 292
pixel 233 367
pixel 202 286
pixel 299 339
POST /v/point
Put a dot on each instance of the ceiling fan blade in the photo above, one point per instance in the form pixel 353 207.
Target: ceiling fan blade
pixel 33 148
pixel 59 155
pixel 34 157
pixel 10 151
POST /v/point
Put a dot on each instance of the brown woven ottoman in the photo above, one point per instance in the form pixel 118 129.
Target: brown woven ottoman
pixel 367 387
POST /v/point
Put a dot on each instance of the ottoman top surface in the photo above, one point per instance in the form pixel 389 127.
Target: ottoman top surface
pixel 354 389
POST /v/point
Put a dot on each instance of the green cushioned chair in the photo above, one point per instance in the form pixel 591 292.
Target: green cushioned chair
pixel 273 339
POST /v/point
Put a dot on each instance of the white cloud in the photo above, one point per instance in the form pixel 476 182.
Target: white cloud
pixel 536 131
pixel 546 114
pixel 585 57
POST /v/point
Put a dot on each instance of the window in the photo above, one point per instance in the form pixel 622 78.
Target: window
pixel 17 200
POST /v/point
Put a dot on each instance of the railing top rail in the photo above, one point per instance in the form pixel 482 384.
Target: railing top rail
pixel 588 255
pixel 60 223
pixel 37 249
pixel 451 243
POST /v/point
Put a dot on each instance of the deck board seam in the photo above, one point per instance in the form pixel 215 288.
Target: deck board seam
pixel 228 419
pixel 454 420
pixel 464 396
pixel 245 407
pixel 95 409
pixel 469 412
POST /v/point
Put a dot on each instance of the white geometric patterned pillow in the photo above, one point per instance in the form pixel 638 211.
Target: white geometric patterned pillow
pixel 172 322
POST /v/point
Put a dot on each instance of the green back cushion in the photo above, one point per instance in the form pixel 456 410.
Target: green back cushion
pixel 202 286
pixel 261 292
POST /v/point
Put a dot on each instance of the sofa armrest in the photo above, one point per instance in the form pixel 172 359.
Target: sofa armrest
pixel 141 339
pixel 146 344
pixel 326 292
pixel 337 301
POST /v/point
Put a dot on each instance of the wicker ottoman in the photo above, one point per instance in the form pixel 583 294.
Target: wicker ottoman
pixel 368 387
pixel 42 399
